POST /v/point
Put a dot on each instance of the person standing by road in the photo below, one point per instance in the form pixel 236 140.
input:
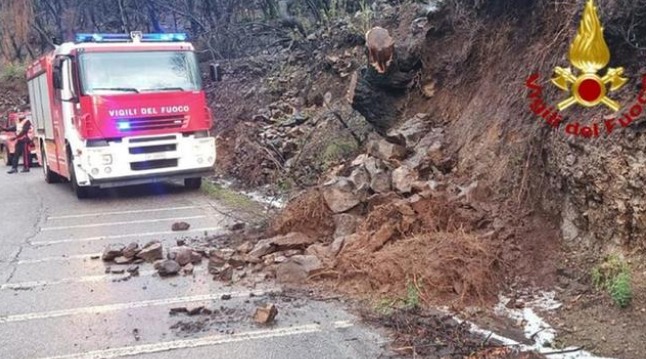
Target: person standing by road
pixel 23 138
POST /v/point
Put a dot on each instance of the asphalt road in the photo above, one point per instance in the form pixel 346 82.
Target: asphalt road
pixel 58 302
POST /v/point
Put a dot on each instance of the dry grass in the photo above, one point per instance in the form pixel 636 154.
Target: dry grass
pixel 308 214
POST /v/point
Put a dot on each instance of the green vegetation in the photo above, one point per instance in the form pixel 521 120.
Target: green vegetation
pixel 12 72
pixel 411 300
pixel 338 150
pixel 613 276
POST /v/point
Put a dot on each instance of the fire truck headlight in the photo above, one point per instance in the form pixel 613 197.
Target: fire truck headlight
pixel 200 160
pixel 95 171
pixel 107 170
pixel 106 159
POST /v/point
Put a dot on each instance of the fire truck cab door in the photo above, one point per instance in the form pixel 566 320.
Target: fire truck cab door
pixel 65 123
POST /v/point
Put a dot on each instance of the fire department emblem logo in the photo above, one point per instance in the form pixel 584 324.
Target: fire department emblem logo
pixel 589 53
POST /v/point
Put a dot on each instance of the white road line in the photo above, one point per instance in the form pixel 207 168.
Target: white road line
pixel 57 259
pixel 123 306
pixel 130 235
pixel 342 324
pixel 51 218
pixel 85 279
pixel 192 343
pixel 119 223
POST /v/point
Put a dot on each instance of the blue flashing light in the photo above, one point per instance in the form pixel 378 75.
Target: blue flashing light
pixel 165 37
pixel 123 125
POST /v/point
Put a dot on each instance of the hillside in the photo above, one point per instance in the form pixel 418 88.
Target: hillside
pixel 436 177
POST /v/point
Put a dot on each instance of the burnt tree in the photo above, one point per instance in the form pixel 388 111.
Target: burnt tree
pixel 383 81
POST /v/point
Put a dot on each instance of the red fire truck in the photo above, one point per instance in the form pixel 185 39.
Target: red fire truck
pixel 114 110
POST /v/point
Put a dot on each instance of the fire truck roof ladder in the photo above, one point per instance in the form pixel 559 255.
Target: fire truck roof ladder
pixel 135 36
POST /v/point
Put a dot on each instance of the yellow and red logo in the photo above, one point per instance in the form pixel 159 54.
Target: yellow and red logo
pixel 589 54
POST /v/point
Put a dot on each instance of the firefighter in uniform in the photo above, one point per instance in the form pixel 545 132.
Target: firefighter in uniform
pixel 24 135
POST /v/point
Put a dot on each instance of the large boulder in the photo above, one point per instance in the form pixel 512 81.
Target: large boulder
pixel 381 182
pixel 403 179
pixel 340 195
pixel 410 132
pixel 385 150
pixel 298 268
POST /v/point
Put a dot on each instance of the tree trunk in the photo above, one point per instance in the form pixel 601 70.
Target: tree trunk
pixel 124 18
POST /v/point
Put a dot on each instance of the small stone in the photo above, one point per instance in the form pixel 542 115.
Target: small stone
pixel 207 311
pixel 380 182
pixel 168 268
pixel 196 257
pixel 113 251
pixel 266 314
pixel 195 311
pixel 215 264
pixel 180 226
pixel 133 270
pixel 95 257
pixel 245 247
pixel 181 242
pixel 570 160
pixel 225 274
pixel 238 226
pixel 262 248
pixel 183 256
pixel 237 261
pixel 117 271
pixel 188 269
pixel 225 296
pixel 122 260
pixel 151 252
pixel 177 310
pixel 385 150
pixel 131 250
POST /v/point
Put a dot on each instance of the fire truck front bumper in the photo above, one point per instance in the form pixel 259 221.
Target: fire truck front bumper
pixel 150 178
pixel 146 159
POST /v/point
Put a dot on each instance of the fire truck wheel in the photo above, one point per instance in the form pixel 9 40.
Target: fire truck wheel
pixel 7 157
pixel 193 183
pixel 50 177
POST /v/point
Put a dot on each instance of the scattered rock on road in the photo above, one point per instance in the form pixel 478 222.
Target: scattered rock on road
pixel 122 260
pixel 151 252
pixel 131 250
pixel 180 226
pixel 266 314
pixel 168 268
pixel 133 270
pixel 188 269
pixel 113 251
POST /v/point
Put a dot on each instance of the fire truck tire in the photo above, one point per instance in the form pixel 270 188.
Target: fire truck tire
pixel 50 176
pixel 7 157
pixel 193 183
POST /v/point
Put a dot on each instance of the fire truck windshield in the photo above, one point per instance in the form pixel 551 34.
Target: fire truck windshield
pixel 134 72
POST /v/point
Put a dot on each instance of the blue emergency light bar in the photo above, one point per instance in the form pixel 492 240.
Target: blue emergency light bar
pixel 166 37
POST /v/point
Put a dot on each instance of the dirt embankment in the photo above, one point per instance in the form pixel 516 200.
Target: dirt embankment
pixel 490 198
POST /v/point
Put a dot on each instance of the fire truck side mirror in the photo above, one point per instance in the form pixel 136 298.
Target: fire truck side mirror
pixel 215 72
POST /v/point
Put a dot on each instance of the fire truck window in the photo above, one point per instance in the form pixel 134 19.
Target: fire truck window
pixel 127 72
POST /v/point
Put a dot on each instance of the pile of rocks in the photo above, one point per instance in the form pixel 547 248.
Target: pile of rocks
pixel 284 251
pixel 178 259
pixel 408 161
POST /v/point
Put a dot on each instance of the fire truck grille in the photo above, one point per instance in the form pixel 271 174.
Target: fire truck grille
pixel 152 149
pixel 151 123
pixel 151 165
